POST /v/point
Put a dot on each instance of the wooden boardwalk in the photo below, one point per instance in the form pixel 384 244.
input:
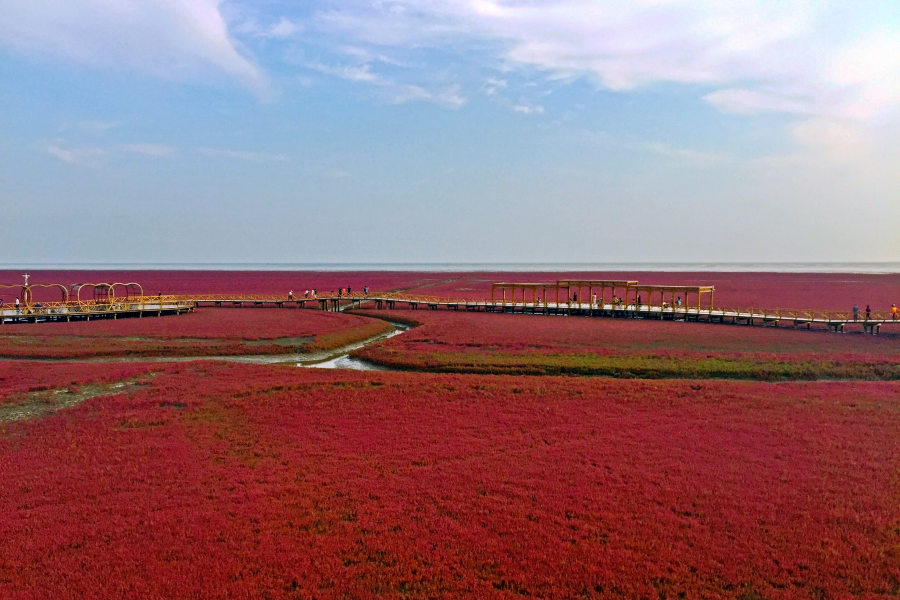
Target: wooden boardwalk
pixel 89 309
pixel 834 320
pixel 140 306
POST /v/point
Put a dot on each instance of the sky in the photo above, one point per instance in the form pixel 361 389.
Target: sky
pixel 417 131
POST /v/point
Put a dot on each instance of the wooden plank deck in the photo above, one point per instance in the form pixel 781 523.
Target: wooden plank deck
pixel 86 311
pixel 177 304
pixel 835 320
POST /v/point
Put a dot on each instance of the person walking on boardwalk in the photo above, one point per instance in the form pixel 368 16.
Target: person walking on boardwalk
pixel 366 291
pixel 893 312
pixel 17 305
pixel 291 295
pixel 868 312
pixel 855 313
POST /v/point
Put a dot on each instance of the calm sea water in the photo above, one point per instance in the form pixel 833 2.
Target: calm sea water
pixel 770 267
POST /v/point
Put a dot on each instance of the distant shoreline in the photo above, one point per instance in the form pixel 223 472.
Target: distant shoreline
pixel 885 268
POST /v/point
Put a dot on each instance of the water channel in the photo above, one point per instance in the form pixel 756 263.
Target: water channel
pixel 339 358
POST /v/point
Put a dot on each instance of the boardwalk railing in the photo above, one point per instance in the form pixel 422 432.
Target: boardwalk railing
pixel 85 309
pixel 176 304
pixel 750 315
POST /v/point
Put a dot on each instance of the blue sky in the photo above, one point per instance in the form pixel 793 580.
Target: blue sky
pixel 455 131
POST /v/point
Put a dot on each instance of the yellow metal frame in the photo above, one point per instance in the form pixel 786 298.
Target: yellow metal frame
pixel 659 301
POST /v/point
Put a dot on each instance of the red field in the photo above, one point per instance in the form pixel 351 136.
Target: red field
pixel 824 291
pixel 209 480
pixel 17 379
pixel 237 282
pixel 534 344
pixel 206 332
pixel 239 481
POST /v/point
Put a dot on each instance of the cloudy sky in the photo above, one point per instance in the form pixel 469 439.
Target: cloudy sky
pixel 449 131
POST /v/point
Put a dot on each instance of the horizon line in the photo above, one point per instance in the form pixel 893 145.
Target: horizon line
pixel 867 267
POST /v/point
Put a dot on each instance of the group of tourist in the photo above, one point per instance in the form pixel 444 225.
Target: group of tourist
pixel 16 303
pixel 617 301
pixel 306 295
pixel 894 312
pixel 341 292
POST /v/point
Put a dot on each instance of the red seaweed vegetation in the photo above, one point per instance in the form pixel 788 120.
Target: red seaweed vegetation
pixel 821 291
pixel 237 282
pixel 20 378
pixel 221 480
pixel 206 332
pixel 551 345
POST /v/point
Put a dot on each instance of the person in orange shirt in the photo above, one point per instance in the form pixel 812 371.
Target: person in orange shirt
pixel 894 312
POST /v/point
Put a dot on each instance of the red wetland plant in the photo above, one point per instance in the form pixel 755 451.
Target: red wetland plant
pixel 222 480
pixel 205 323
pixel 18 378
pixel 206 332
pixel 236 282
pixel 820 291
pixel 539 344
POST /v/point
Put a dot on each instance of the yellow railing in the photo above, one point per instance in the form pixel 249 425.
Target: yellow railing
pixel 184 301
pixel 354 296
pixel 73 307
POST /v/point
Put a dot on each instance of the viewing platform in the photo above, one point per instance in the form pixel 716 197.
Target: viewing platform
pixel 89 310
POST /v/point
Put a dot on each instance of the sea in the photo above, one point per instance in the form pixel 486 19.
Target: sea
pixel 736 267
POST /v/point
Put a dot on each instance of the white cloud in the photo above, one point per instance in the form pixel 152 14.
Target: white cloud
pixel 789 56
pixel 153 150
pixel 282 30
pixel 493 85
pixel 839 141
pixel 259 157
pixel 396 92
pixel 528 109
pixel 366 55
pixel 495 90
pixel 748 102
pixel 869 68
pixel 348 72
pixel 174 39
pixel 695 157
pixel 75 155
pixel 88 155
pixel 450 97
pixel 93 127
pixel 401 94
